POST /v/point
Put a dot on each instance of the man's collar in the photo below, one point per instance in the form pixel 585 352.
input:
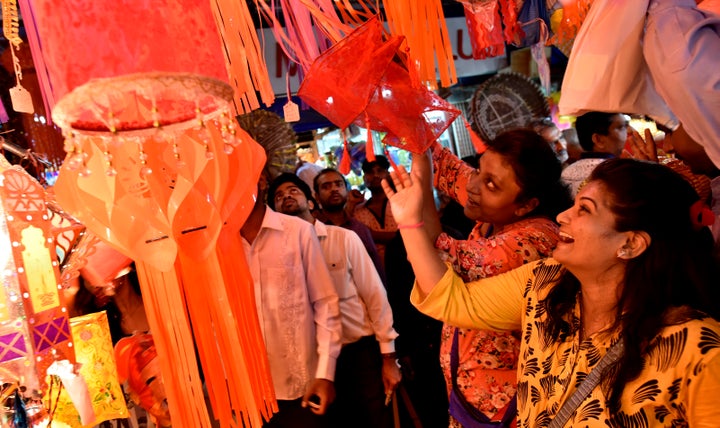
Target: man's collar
pixel 272 220
pixel 596 155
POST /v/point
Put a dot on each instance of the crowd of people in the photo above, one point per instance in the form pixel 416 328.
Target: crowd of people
pixel 561 283
pixel 541 292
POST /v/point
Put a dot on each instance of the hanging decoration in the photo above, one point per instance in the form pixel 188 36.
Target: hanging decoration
pixel 35 335
pixel 277 138
pixel 491 24
pixel 566 22
pixel 305 28
pixel 159 170
pixel 243 55
pixel 74 42
pixel 422 24
pixel 345 162
pixel 366 76
pixel 20 97
pixel 369 143
pixel 506 101
pixel 96 361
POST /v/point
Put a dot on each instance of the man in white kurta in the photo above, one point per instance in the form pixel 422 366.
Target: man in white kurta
pixel 366 369
pixel 298 312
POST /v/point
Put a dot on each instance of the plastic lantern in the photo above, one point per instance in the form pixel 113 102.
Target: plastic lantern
pixel 365 79
pixel 159 170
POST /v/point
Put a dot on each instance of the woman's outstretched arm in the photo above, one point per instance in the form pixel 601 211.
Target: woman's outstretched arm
pixel 407 208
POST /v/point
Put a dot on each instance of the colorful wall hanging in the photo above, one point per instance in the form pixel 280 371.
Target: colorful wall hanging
pixel 96 359
pixel 158 168
pixel 35 335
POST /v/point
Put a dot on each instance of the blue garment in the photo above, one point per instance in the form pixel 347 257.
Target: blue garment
pixel 682 50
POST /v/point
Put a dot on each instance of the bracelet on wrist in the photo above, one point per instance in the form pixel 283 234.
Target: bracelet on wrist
pixel 390 356
pixel 411 226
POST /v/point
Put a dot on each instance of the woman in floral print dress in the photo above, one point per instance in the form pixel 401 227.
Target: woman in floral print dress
pixel 513 196
pixel 635 263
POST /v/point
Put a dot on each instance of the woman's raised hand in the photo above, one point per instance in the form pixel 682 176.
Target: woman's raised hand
pixel 406 198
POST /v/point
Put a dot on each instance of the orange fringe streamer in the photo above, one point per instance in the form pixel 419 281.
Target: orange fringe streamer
pixel 475 139
pixel 369 145
pixel 243 55
pixel 422 22
pixel 173 337
pixel 345 163
pixel 249 160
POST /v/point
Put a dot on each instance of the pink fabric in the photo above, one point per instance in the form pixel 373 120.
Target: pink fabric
pixel 87 39
pixel 104 264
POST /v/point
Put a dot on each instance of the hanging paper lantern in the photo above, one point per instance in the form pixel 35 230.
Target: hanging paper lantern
pixel 74 42
pixel 159 170
pixel 34 323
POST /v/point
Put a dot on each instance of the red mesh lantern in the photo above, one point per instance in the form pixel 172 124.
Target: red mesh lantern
pixel 365 79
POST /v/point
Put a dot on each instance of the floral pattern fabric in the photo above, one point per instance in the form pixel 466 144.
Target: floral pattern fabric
pixel 366 217
pixel 487 359
pixel 677 386
pixel 451 175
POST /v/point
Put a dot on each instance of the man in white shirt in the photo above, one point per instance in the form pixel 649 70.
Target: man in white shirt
pixel 298 311
pixel 367 371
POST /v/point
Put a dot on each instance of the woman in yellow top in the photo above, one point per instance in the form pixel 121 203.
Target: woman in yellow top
pixel 634 265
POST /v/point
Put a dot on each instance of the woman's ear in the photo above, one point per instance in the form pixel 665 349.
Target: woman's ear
pixel 637 243
pixel 527 207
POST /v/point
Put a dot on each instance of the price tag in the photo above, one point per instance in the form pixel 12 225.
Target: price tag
pixel 291 112
pixel 21 100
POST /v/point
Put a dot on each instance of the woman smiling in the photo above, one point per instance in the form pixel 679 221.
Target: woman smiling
pixel 513 196
pixel 630 298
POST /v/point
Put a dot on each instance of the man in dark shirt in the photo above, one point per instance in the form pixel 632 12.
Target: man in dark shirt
pixel 331 190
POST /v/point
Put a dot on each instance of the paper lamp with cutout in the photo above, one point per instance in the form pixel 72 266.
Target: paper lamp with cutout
pixel 159 170
pixel 34 325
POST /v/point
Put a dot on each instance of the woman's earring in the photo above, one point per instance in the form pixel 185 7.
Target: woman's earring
pixel 622 252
